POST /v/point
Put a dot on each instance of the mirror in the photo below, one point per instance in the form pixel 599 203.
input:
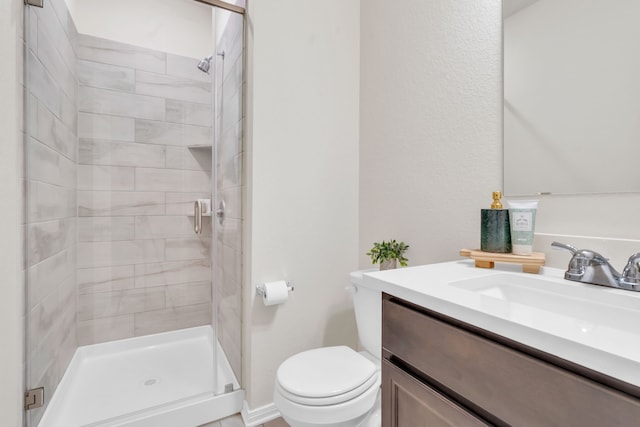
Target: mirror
pixel 571 96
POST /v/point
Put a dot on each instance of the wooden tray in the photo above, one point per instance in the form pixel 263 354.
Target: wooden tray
pixel 530 263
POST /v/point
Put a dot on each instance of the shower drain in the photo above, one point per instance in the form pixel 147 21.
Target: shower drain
pixel 151 381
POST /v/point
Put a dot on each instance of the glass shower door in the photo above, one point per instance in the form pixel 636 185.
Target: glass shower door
pixel 120 304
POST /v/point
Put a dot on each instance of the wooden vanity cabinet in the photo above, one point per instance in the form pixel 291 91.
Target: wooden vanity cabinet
pixel 437 371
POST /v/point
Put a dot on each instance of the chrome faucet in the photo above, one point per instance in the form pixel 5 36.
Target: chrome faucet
pixel 587 266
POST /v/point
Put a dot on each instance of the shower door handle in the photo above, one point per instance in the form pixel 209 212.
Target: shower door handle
pixel 220 212
pixel 197 217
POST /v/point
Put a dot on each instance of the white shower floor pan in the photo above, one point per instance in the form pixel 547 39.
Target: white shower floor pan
pixel 161 380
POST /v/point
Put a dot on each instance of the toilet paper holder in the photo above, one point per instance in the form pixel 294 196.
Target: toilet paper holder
pixel 261 292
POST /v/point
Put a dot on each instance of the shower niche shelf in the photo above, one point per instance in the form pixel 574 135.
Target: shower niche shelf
pixel 199 147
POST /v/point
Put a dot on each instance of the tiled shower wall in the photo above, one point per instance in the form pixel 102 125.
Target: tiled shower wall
pixel 229 161
pixel 141 268
pixel 51 147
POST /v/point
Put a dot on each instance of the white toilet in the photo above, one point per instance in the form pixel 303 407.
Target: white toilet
pixel 336 386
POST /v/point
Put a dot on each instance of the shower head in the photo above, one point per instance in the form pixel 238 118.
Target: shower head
pixel 205 64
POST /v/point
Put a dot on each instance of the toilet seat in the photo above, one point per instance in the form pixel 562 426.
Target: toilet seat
pixel 325 376
pixel 330 400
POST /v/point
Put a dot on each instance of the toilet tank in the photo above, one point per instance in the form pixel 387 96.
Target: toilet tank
pixel 367 304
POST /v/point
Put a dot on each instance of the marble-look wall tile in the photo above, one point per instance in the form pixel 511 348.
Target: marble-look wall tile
pixel 105 76
pixel 229 172
pixel 148 179
pixel 47 165
pixel 45 276
pixel 230 233
pixel 69 114
pixel 198 159
pixel 67 25
pixel 126 252
pixel 180 88
pixel 62 35
pixel 154 132
pixel 172 318
pixel 51 131
pixel 141 237
pixel 188 294
pixel 154 227
pixel 231 141
pixel 106 203
pixel 42 85
pixel 229 155
pixel 55 65
pixel 44 316
pixel 182 203
pixel 99 177
pixel 115 153
pixel 233 201
pixel 184 66
pixel 115 103
pixel 172 272
pixel 50 237
pixel 110 228
pixel 100 126
pixel 51 89
pixel 105 329
pixel 188 113
pixel 111 52
pixel 104 279
pixel 48 202
pixel 187 248
pixel 117 303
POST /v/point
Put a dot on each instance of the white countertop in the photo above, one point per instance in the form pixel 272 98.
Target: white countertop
pixel 585 333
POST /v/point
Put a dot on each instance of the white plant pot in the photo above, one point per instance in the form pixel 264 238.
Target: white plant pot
pixel 389 264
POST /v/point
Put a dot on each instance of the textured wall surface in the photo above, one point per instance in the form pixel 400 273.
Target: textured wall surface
pixel 52 157
pixel 430 124
pixel 141 268
pixel 431 139
pixel 302 154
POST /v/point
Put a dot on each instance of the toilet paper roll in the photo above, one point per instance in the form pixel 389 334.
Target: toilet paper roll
pixel 275 293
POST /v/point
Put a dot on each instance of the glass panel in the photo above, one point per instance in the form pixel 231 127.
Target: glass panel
pixel 122 302
pixel 229 78
pixel 51 223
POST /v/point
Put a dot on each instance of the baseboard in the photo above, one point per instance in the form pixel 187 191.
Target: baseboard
pixel 257 416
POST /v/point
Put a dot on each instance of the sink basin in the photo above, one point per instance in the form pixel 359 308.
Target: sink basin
pixel 591 304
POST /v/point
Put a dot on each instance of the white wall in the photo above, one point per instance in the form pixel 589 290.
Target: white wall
pixel 181 27
pixel 11 290
pixel 302 212
pixel 430 124
pixel 430 152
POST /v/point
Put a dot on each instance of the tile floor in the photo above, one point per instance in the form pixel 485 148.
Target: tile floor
pixel 236 421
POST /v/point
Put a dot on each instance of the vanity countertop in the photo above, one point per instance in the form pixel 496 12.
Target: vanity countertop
pixel 592 326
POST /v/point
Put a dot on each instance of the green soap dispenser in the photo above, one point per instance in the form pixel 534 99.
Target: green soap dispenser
pixel 495 232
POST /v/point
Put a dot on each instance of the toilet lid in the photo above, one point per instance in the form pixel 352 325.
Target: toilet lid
pixel 325 372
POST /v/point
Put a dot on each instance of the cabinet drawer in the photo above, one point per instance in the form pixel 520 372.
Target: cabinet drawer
pixel 406 402
pixel 517 389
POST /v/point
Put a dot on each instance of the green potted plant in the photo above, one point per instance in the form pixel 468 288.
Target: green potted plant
pixel 388 254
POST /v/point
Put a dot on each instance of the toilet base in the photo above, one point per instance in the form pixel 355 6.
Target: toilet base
pixel 372 418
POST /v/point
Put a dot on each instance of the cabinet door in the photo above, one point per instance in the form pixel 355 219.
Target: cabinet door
pixel 514 387
pixel 407 402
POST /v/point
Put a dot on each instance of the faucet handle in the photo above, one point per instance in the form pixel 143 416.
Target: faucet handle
pixel 565 247
pixel 580 259
pixel 631 272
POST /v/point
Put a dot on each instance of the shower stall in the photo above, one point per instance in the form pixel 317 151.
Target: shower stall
pixel 133 214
